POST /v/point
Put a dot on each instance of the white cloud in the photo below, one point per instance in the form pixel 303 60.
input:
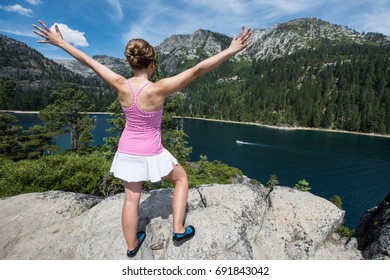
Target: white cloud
pixel 116 5
pixel 34 2
pixel 18 9
pixel 74 37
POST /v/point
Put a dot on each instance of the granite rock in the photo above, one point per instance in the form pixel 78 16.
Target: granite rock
pixel 235 221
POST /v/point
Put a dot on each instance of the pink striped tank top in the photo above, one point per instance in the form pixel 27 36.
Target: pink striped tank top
pixel 142 133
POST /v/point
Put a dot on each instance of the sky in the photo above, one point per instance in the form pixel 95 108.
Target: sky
pixel 105 26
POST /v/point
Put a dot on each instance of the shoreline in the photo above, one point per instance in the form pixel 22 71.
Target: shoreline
pixel 287 128
pixel 235 122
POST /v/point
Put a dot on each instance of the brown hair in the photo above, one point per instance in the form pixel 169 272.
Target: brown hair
pixel 139 53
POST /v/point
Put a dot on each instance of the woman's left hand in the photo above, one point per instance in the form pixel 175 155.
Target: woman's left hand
pixel 242 41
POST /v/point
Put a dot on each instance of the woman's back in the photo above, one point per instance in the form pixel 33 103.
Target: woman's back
pixel 142 133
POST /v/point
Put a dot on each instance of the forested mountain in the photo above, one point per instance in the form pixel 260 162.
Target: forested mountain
pixel 37 76
pixel 333 86
pixel 306 72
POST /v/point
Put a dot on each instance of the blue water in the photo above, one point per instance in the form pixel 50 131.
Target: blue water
pixel 63 141
pixel 354 167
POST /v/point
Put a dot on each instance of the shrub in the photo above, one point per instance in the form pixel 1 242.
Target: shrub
pixel 302 185
pixel 344 231
pixel 273 181
pixel 336 200
pixel 206 172
pixel 202 172
pixel 89 174
pixel 82 174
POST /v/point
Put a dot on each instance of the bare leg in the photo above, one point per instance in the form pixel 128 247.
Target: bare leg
pixel 179 199
pixel 130 213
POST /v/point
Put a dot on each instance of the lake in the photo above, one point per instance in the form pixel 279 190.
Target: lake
pixel 63 141
pixel 354 167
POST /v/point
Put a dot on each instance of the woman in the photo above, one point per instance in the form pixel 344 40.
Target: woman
pixel 141 156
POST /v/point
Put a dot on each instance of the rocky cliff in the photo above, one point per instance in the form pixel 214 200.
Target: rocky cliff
pixel 305 33
pixel 118 65
pixel 373 232
pixel 237 221
pixel 180 51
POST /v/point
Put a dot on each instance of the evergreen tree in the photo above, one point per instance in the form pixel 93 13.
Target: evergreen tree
pixel 9 139
pixel 117 121
pixel 16 145
pixel 338 86
pixel 35 142
pixel 67 115
pixel 8 130
pixel 173 135
pixel 302 185
pixel 7 90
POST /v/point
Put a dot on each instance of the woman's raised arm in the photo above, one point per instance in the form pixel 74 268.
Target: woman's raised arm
pixel 56 39
pixel 170 85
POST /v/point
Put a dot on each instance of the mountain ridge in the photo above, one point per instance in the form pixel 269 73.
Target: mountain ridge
pixel 203 43
pixel 303 73
pixel 301 32
pixel 180 50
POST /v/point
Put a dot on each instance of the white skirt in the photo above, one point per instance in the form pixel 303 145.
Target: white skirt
pixel 131 168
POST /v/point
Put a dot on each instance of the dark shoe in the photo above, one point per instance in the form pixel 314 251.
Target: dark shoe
pixel 141 237
pixel 180 238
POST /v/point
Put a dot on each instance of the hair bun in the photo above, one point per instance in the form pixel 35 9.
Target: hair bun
pixel 139 53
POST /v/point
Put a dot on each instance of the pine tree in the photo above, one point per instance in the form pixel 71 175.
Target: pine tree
pixel 67 115
pixel 9 137
pixel 173 135
pixel 7 91
pixel 35 142
pixel 8 130
pixel 117 121
pixel 17 145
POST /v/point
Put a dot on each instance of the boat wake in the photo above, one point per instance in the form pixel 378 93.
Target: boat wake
pixel 252 144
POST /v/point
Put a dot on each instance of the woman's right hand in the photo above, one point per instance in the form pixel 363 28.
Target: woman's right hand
pixel 54 38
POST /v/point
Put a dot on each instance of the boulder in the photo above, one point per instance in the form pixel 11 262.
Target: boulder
pixel 235 221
